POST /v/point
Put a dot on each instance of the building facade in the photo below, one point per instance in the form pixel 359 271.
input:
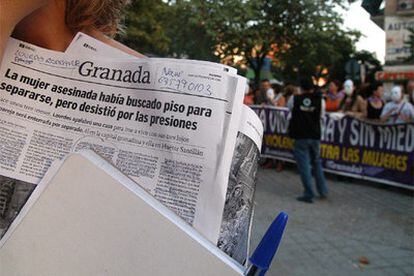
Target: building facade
pixel 396 18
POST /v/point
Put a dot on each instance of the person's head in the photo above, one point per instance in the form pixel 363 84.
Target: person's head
pixel 396 94
pixel 410 86
pixel 53 26
pixel 306 85
pixel 333 86
pixel 290 90
pixel 377 89
pixel 349 87
pixel 265 84
pixel 410 90
pixel 102 15
pixel 276 87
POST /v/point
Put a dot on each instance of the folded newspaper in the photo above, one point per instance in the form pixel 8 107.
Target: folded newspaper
pixel 178 128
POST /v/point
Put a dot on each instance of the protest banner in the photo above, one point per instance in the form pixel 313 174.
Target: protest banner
pixel 349 146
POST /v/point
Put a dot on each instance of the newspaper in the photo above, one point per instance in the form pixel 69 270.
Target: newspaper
pixel 169 126
pixel 85 45
pixel 238 210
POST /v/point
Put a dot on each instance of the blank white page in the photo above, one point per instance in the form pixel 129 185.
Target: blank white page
pixel 89 219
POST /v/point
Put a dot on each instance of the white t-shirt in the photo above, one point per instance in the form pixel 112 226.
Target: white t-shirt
pixel 270 94
pixel 399 108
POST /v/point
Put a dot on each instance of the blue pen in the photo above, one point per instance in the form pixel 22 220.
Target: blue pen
pixel 263 255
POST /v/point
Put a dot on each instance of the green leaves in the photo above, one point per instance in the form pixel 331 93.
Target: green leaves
pixel 301 36
pixel 145 27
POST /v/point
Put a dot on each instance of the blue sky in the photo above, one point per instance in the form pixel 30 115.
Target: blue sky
pixel 373 39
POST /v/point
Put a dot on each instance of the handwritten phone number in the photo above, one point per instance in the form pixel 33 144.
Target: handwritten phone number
pixel 183 85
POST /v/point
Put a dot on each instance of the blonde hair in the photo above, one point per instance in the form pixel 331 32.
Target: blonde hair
pixel 103 15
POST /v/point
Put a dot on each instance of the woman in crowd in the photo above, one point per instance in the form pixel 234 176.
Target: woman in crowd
pixel 352 104
pixel 410 91
pixel 278 90
pixel 288 91
pixel 249 96
pixel 334 96
pixel 265 94
pixel 397 111
pixel 375 104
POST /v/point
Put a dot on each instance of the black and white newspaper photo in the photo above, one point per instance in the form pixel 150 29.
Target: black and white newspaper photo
pixel 238 209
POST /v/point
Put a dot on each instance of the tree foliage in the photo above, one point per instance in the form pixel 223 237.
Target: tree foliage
pixel 371 63
pixel 146 27
pixel 301 36
pixel 187 28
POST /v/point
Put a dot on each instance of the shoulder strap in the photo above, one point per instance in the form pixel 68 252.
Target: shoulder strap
pixel 399 111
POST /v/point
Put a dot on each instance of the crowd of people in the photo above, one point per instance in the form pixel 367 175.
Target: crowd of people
pixel 308 103
pixel 365 101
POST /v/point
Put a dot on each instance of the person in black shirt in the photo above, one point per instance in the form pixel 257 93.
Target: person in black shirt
pixel 305 127
pixel 375 104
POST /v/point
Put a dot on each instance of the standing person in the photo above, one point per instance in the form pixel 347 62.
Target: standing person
pixel 375 104
pixel 257 98
pixel 305 127
pixel 334 96
pixel 267 97
pixel 248 96
pixel 267 94
pixel 352 103
pixel 410 91
pixel 397 111
pixel 287 92
pixel 278 91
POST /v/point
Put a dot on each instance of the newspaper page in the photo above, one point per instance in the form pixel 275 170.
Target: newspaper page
pixel 238 210
pixel 85 45
pixel 168 126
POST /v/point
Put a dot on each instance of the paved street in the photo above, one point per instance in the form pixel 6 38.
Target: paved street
pixel 359 220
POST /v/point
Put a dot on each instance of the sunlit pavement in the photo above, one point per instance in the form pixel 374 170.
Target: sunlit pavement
pixel 362 229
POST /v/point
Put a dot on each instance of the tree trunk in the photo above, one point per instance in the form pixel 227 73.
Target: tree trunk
pixel 257 67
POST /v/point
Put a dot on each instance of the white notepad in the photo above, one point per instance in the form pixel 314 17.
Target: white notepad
pixel 87 218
